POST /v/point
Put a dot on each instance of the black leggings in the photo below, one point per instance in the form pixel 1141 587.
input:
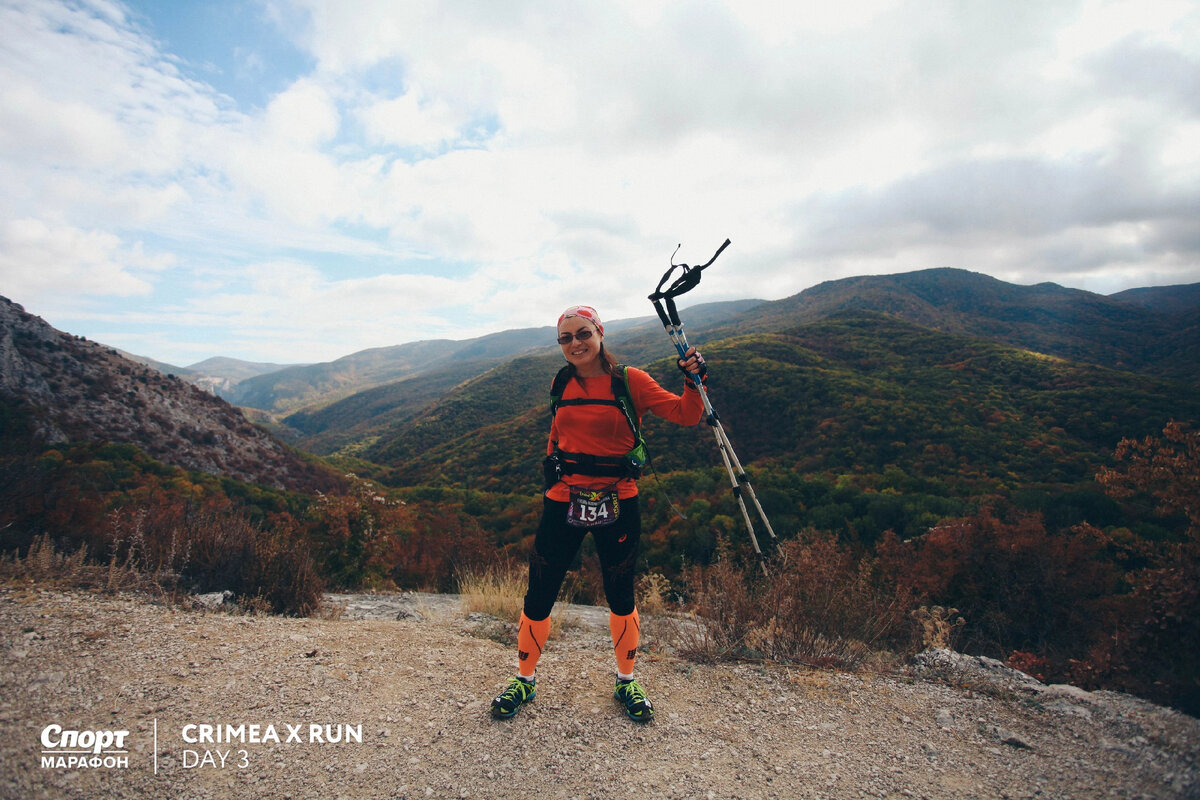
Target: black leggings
pixel 557 543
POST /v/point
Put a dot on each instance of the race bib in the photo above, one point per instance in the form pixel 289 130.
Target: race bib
pixel 592 508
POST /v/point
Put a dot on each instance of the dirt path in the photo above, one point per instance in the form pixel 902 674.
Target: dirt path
pixel 416 691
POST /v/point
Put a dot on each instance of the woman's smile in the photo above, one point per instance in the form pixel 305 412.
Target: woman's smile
pixel 580 342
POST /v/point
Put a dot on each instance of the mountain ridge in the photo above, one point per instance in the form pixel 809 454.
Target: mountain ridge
pixel 1045 317
pixel 413 385
pixel 1124 332
pixel 1175 314
pixel 1066 323
pixel 1170 299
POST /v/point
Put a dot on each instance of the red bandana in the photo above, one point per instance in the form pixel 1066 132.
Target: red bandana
pixel 587 312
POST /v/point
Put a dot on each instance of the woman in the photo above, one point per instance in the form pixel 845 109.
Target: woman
pixel 592 487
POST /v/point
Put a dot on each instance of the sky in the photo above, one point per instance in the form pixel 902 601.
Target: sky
pixel 293 181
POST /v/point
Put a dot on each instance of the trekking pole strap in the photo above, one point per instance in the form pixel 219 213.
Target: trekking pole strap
pixel 683 284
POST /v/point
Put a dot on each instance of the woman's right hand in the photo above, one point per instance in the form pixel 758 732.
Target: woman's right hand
pixel 693 365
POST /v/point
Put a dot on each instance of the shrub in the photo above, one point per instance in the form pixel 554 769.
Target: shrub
pixel 1148 647
pixel 217 549
pixel 1018 586
pixel 820 604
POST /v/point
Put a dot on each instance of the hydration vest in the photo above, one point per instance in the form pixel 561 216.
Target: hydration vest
pixel 561 462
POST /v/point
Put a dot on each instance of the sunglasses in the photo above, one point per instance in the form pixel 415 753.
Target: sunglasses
pixel 583 336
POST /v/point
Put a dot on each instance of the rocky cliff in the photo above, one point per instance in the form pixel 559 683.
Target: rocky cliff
pixel 65 388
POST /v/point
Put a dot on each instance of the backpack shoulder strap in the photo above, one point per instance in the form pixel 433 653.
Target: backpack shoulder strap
pixel 558 387
pixel 624 397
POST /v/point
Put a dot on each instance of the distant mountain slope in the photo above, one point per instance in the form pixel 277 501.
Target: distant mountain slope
pixel 305 391
pixel 221 375
pixel 361 416
pixel 55 387
pixel 1167 299
pixel 235 369
pixel 218 375
pixel 296 387
pixel 1046 318
pixel 366 415
pixel 473 409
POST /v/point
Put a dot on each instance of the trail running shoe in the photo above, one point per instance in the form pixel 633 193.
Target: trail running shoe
pixel 637 705
pixel 509 702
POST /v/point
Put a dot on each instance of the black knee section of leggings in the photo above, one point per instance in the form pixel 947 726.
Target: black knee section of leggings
pixel 557 543
pixel 617 547
pixel 554 548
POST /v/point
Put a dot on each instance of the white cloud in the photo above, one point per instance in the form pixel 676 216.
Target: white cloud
pixel 410 121
pixel 1098 24
pixel 304 115
pixel 530 154
pixel 294 312
pixel 55 132
pixel 40 260
pixel 87 89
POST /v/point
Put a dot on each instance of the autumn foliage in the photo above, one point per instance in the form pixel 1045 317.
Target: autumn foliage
pixel 1100 606
pixel 1151 649
pixel 187 532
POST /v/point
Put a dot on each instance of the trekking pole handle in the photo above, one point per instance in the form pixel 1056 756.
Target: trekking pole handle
pixel 662 313
pixel 668 315
pixel 673 313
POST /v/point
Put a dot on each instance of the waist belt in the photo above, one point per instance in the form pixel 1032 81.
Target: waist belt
pixel 563 463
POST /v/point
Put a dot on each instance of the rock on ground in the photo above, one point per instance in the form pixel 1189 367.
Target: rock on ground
pixel 414 676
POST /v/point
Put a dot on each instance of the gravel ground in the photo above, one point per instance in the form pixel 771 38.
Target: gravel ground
pixel 414 675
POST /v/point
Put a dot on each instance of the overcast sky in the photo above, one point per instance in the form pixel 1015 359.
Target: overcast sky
pixel 297 180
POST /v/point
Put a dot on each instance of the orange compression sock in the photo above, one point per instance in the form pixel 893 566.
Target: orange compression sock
pixel 531 638
pixel 626 630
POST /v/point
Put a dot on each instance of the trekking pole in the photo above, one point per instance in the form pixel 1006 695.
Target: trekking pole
pixel 671 323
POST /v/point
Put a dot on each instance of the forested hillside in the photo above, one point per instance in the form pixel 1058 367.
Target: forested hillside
pixel 1151 333
pixel 858 394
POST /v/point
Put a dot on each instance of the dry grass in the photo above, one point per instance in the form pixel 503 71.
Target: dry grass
pixel 654 595
pixel 499 591
pixel 938 625
pixel 45 565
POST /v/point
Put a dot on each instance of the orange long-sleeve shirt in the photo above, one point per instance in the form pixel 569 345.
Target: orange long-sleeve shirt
pixel 603 430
